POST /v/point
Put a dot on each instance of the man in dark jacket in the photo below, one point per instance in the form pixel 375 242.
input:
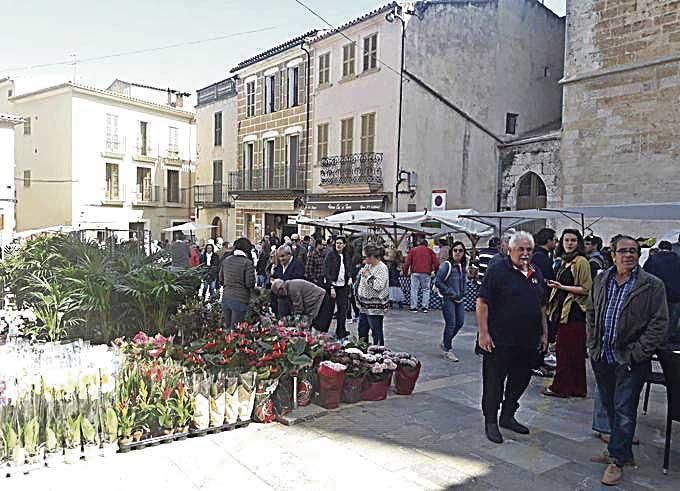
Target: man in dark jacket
pixel 593 246
pixel 305 298
pixel 337 271
pixel 546 241
pixel 627 321
pixel 665 265
pixel 211 261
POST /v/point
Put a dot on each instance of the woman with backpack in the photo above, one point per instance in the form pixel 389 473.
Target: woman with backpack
pixel 450 284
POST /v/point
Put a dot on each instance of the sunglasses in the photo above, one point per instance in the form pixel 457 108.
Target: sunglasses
pixel 459 250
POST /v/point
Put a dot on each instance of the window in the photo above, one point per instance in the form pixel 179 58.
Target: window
pixel 346 136
pixel 250 99
pixel 322 141
pixel 510 123
pixel 546 71
pixel 144 146
pixel 112 182
pixel 143 184
pixel 112 141
pixel 293 84
pixel 218 129
pixel 371 52
pixel 9 93
pixel 27 178
pixel 367 133
pixel 269 149
pixel 173 147
pixel 218 197
pixel 173 186
pixel 293 159
pixel 27 126
pixel 269 93
pixel 248 158
pixel 348 60
pixel 324 69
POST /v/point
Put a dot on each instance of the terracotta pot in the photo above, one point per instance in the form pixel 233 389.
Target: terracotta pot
pixel 124 440
pixel 137 435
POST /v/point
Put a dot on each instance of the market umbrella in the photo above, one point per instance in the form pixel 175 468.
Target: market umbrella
pixel 188 227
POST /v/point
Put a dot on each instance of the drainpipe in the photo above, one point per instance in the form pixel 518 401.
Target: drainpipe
pixel 391 17
pixel 307 145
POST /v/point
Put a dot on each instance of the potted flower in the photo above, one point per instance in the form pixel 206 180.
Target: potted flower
pixel 378 377
pixel 72 442
pixel 407 373
pixel 126 417
pixel 164 413
pixel 110 427
pixel 182 406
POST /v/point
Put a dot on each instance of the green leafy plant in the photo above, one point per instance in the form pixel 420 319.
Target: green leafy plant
pixel 55 306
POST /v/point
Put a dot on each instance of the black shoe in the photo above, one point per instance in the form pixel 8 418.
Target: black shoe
pixel 510 423
pixel 493 433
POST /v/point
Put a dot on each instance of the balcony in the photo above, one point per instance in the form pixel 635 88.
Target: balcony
pixel 211 195
pixel 144 195
pixel 359 169
pixel 144 153
pixel 279 178
pixel 114 147
pixel 175 196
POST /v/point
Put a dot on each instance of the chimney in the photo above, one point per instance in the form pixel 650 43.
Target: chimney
pixel 179 100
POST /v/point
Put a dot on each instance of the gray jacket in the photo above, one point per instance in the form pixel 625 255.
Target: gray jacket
pixel 643 323
pixel 305 297
pixel 237 274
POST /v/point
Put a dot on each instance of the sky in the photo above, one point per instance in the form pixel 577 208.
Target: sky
pixel 47 31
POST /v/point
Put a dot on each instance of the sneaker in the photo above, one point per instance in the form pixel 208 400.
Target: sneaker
pixel 612 476
pixel 413 309
pixel 451 356
pixel 441 346
pixel 604 458
pixel 424 311
pixel 550 360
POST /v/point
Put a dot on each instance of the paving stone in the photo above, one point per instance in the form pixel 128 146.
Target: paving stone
pixel 302 414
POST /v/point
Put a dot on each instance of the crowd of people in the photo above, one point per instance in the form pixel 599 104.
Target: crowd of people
pixel 546 303
pixel 549 302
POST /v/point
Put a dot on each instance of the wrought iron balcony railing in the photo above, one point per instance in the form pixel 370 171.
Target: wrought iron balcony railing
pixel 278 177
pixel 355 169
pixel 146 194
pixel 211 195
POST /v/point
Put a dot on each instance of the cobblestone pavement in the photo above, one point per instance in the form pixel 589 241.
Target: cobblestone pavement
pixel 430 440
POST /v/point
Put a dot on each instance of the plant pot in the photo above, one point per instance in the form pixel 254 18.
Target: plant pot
pixel 168 431
pixel 18 457
pixel 351 389
pixel 137 435
pixel 53 458
pixel 71 455
pixel 124 440
pixel 375 391
pixel 405 379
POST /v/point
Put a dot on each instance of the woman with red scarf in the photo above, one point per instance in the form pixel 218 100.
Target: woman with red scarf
pixel 566 309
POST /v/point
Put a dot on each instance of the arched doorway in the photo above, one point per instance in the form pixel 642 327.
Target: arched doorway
pixel 216 231
pixel 531 194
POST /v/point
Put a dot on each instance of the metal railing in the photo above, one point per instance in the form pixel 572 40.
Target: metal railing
pixel 358 168
pixel 145 194
pixel 176 196
pixel 211 194
pixel 278 177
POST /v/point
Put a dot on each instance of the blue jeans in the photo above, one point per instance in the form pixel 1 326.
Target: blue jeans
pixel 260 280
pixel 454 317
pixel 208 285
pixel 673 319
pixel 420 281
pixel 373 323
pixel 234 311
pixel 620 387
pixel 600 418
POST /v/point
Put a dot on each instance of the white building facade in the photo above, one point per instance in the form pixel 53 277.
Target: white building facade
pixel 8 123
pixel 95 159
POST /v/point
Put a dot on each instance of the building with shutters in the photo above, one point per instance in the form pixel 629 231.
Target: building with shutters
pixel 99 159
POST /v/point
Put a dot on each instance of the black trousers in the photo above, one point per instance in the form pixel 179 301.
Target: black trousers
pixel 506 373
pixel 341 300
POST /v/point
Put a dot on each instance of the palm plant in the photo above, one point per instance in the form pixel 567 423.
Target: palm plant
pixel 55 306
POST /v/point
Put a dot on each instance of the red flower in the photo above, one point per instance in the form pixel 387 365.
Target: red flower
pixel 140 338
pixel 167 392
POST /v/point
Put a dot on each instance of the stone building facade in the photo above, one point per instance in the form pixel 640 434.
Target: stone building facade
pixel 621 106
pixel 273 111
pixel 216 156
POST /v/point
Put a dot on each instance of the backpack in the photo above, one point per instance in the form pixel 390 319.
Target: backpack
pixel 446 278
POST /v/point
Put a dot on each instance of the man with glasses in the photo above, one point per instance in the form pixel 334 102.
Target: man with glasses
pixel 512 328
pixel 627 322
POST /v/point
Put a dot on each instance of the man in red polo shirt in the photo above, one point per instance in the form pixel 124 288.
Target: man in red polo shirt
pixel 421 262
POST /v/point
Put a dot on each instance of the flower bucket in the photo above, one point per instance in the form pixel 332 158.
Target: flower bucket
pixel 91 452
pixel 305 388
pixel 283 396
pixel 405 379
pixel 263 411
pixel 330 386
pixel 351 389
pixel 246 395
pixel 375 391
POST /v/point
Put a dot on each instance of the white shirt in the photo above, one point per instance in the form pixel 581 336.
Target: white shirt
pixel 340 281
pixel 208 257
pixel 239 252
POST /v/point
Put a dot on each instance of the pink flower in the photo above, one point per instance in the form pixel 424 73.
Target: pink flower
pixel 140 338
pixel 159 340
pixel 155 353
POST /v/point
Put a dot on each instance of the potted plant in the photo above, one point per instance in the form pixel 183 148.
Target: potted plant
pixel 182 406
pixel 72 442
